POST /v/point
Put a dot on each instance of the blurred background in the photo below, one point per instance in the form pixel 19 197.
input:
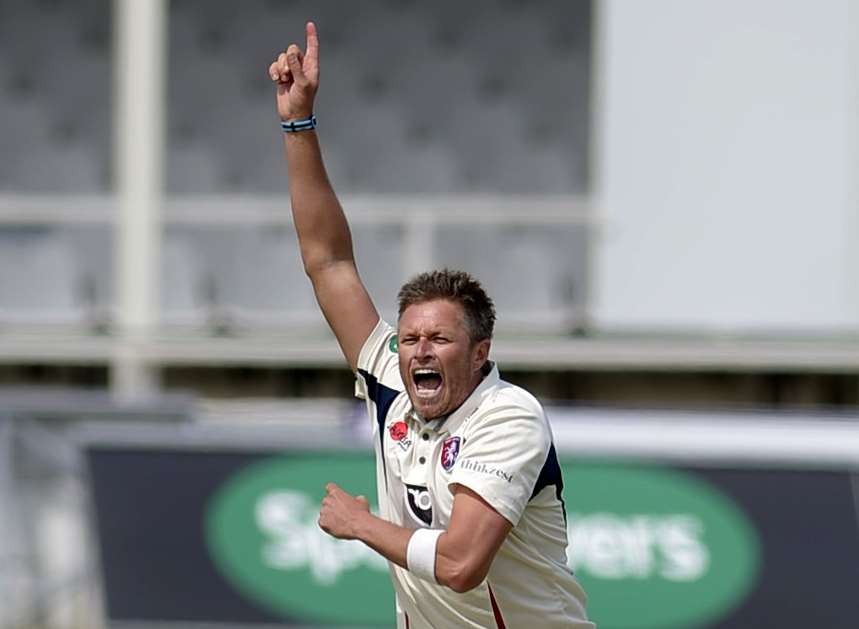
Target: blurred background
pixel 662 198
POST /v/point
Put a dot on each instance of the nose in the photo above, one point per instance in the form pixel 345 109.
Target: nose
pixel 423 349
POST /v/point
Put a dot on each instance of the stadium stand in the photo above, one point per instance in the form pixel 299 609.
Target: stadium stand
pixel 55 275
pixel 434 91
pixel 415 104
pixel 56 105
pixel 544 266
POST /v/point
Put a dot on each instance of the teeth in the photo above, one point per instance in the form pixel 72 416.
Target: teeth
pixel 424 371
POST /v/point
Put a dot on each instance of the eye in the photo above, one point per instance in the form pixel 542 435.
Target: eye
pixel 407 340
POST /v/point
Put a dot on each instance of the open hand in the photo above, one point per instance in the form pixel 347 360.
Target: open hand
pixel 341 512
pixel 297 76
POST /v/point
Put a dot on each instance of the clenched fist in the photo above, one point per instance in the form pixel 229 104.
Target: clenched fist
pixel 341 512
pixel 297 77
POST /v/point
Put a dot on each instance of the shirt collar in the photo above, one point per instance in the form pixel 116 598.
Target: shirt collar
pixel 452 421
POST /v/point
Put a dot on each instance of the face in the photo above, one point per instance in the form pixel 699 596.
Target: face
pixel 439 364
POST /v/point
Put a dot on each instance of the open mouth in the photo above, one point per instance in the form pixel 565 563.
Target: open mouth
pixel 427 381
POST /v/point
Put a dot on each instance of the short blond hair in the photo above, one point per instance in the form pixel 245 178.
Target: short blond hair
pixel 460 288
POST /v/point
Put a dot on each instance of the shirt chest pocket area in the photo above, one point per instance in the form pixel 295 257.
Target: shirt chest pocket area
pixel 425 481
pixel 398 445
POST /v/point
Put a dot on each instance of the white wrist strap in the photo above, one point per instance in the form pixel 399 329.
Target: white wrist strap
pixel 420 554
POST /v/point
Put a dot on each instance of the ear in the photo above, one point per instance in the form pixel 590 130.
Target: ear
pixel 480 354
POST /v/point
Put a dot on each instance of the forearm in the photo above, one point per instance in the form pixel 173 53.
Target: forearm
pixel 392 542
pixel 323 232
pixel 462 554
pixel 387 539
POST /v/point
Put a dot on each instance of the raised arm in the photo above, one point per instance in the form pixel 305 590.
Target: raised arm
pixel 323 233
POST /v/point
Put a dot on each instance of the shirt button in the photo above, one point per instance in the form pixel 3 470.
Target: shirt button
pixel 422 460
pixel 425 436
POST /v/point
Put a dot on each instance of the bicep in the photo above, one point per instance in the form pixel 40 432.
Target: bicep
pixel 475 534
pixel 502 459
pixel 346 305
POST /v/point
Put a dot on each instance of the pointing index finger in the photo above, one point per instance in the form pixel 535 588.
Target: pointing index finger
pixel 312 46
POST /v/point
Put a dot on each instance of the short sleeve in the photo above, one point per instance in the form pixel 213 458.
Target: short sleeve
pixel 502 456
pixel 378 362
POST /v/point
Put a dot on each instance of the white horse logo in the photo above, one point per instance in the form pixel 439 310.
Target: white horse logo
pixel 449 452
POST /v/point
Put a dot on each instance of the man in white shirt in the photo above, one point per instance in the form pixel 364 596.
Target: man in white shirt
pixel 469 487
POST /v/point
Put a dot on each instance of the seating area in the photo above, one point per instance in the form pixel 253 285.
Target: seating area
pixel 423 98
pixel 228 279
pixel 443 99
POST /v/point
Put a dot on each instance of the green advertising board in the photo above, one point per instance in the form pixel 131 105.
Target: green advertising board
pixel 654 547
pixel 262 531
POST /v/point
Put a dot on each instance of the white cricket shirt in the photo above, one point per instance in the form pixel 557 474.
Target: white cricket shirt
pixel 498 443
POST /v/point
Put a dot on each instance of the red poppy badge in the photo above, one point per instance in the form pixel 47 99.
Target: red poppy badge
pixel 398 431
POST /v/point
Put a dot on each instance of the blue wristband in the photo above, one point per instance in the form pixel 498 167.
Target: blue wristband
pixel 292 126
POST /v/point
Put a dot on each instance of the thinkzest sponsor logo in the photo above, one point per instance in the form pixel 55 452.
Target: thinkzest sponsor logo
pixel 482 468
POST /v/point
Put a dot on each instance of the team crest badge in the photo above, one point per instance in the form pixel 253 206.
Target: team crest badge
pixel 449 452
